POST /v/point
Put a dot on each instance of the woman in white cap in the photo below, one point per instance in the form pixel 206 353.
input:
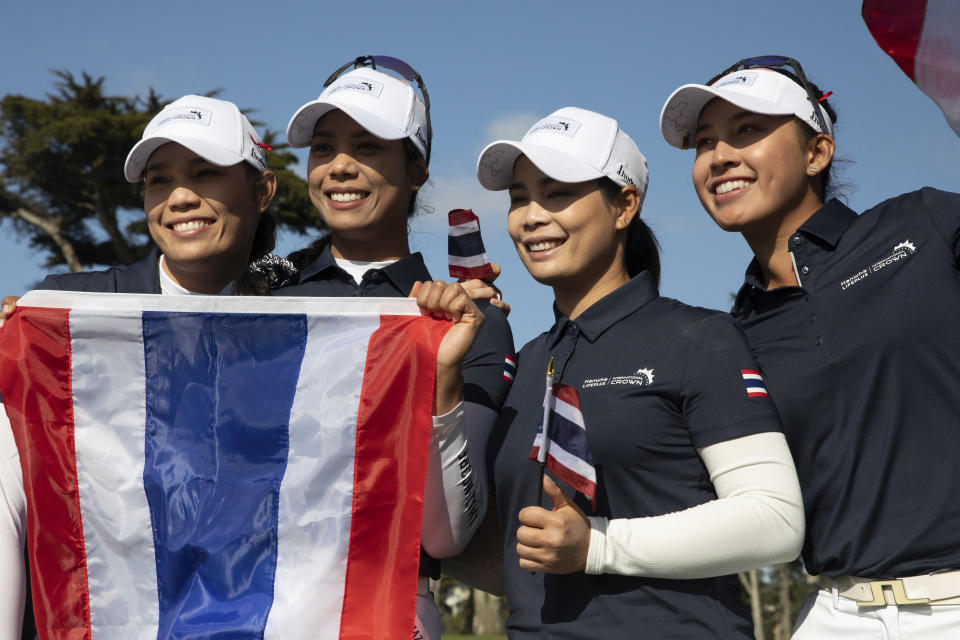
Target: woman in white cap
pixel 369 136
pixel 851 320
pixel 675 473
pixel 206 193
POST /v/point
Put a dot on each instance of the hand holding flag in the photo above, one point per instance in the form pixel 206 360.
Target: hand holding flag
pixel 554 541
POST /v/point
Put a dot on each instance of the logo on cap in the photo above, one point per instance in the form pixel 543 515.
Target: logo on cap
pixel 623 174
pixel 367 86
pixel 564 126
pixel 743 78
pixel 193 115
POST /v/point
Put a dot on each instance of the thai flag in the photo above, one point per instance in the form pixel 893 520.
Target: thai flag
pixel 221 467
pixel 565 449
pixel 923 38
pixel 509 367
pixel 754 382
pixel 468 258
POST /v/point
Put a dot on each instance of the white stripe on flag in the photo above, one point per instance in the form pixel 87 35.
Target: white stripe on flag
pixel 471 261
pixel 323 424
pixel 937 62
pixel 753 376
pixel 109 442
pixel 569 412
pixel 465 228
pixel 572 462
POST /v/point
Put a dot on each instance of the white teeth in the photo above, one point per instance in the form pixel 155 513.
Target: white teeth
pixel 544 246
pixel 190 226
pixel 346 197
pixel 726 187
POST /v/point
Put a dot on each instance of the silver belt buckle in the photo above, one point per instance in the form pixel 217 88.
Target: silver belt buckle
pixel 899 594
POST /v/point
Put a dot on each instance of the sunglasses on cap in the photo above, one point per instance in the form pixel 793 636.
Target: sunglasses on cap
pixel 772 62
pixel 397 65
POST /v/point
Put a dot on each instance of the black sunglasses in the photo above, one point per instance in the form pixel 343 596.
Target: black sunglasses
pixel 399 66
pixel 779 61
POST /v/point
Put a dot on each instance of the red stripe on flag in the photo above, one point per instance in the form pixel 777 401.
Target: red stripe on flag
pixel 35 346
pixel 394 423
pixel 469 273
pixel 757 394
pixel 896 25
pixel 461 216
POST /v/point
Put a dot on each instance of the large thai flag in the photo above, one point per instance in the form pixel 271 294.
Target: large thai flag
pixel 562 445
pixel 923 37
pixel 202 467
pixel 465 251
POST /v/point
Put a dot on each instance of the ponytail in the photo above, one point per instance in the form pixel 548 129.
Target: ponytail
pixel 642 252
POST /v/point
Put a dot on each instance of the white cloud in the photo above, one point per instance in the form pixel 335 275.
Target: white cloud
pixel 511 126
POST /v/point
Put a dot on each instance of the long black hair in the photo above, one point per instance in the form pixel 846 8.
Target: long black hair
pixel 642 251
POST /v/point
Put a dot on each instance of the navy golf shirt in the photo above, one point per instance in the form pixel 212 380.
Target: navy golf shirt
pixel 657 380
pixel 483 379
pixel 863 363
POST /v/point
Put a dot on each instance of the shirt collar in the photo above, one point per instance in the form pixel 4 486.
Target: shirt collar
pixel 608 310
pixel 402 273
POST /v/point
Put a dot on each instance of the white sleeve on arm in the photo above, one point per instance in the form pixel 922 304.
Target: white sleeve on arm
pixel 455 494
pixel 13 513
pixel 756 520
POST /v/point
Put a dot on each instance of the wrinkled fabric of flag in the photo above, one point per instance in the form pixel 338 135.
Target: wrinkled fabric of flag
pixel 212 467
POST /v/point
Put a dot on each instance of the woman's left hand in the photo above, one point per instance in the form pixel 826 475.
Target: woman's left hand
pixel 553 541
pixel 442 300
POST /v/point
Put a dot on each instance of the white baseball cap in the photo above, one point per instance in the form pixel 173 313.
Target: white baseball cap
pixel 385 106
pixel 569 145
pixel 213 129
pixel 757 90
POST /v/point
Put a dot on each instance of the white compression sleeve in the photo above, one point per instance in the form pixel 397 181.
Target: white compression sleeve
pixel 756 520
pixel 13 514
pixel 455 494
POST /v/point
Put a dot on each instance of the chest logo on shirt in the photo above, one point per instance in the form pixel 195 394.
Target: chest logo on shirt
pixel 900 252
pixel 643 378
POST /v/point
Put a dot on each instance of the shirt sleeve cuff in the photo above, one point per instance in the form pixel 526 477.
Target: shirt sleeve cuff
pixel 598 540
pixel 443 425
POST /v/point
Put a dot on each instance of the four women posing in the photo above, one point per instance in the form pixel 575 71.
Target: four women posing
pixel 694 480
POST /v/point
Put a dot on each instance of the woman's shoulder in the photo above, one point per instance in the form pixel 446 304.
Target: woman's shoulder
pixel 139 277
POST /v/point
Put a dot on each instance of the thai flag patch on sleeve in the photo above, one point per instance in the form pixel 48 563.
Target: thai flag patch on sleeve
pixel 465 251
pixel 754 381
pixel 509 367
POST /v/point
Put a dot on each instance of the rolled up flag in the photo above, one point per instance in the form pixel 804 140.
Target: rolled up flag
pixel 468 258
pixel 923 38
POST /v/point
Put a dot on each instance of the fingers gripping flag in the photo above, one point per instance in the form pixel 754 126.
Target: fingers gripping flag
pixel 563 446
pixel 923 38
pixel 468 258
pixel 220 467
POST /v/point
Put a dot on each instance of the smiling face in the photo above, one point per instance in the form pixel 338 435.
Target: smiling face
pixel 202 216
pixel 362 186
pixel 569 236
pixel 751 170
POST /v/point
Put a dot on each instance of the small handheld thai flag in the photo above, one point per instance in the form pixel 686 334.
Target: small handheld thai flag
pixel 468 259
pixel 754 381
pixel 561 442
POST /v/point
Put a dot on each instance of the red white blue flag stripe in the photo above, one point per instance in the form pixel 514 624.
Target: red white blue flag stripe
pixel 565 448
pixel 467 256
pixel 754 382
pixel 509 367
pixel 923 38
pixel 217 467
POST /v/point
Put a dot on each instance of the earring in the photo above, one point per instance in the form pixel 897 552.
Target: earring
pixel 812 170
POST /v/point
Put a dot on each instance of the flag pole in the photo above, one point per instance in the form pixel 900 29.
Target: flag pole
pixel 545 443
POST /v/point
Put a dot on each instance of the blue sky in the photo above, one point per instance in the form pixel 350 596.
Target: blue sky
pixel 492 69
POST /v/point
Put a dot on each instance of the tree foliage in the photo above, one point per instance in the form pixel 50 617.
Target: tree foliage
pixel 61 174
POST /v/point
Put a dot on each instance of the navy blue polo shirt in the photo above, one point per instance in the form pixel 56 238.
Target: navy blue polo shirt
pixel 863 363
pixel 140 277
pixel 657 380
pixel 483 367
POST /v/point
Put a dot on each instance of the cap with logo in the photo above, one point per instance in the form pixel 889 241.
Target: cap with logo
pixel 569 145
pixel 213 129
pixel 756 90
pixel 385 106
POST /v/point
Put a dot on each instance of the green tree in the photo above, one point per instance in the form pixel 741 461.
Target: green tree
pixel 61 174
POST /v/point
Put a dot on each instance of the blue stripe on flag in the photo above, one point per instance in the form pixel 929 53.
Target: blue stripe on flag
pixel 753 383
pixel 571 436
pixel 219 392
pixel 470 244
